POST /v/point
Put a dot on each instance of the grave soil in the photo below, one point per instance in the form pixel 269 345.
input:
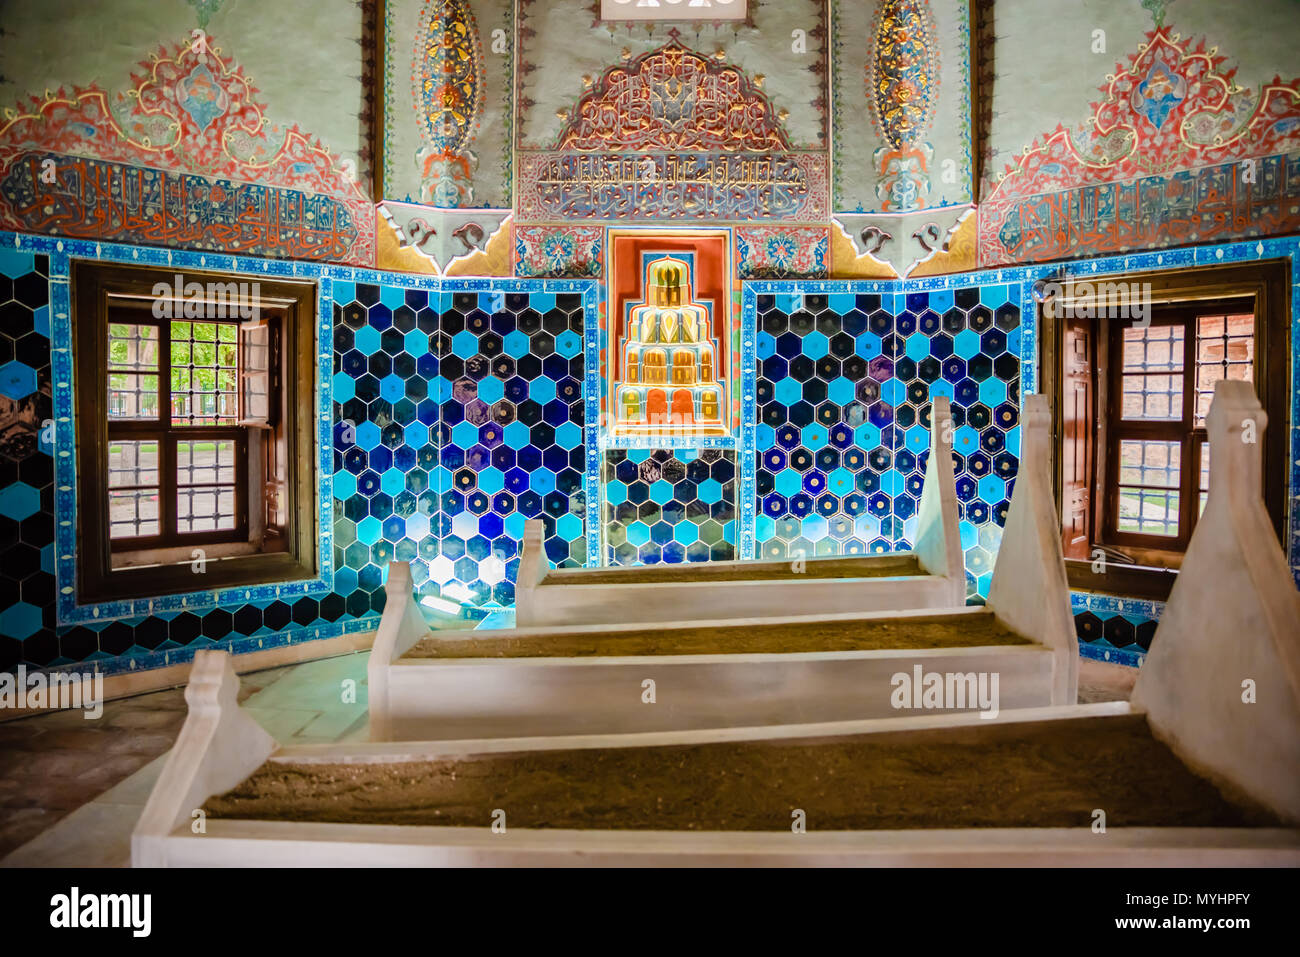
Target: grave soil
pixel 928 631
pixel 1033 775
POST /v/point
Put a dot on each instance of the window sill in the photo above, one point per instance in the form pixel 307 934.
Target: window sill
pixel 157 581
pixel 1127 581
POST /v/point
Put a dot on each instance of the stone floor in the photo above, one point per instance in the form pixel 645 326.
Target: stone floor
pixel 71 790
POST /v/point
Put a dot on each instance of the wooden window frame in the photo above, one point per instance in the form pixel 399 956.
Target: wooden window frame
pixel 1267 286
pixel 251 554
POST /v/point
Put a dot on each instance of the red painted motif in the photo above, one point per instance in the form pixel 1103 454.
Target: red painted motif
pixel 1176 131
pixel 192 115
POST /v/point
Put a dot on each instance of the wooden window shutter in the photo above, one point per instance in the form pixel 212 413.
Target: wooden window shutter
pixel 259 373
pixel 1078 428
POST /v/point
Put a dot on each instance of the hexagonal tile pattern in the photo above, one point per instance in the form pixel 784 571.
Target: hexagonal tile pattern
pixel 669 505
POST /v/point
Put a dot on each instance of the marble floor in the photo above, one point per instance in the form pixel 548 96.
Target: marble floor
pixel 71 790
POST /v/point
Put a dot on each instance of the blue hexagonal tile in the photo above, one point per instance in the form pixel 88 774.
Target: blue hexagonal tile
pixel 568 343
pixel 992 489
pixel 541 390
pixel 416 343
pixel 788 482
pixel 19 501
pixel 344 387
pixel 392 387
pixel 568 436
pixel 491 389
pixel 369 530
pixel 464 434
pixel 541 481
pixel 966 343
pixel 815 345
pixel 20 621
pixel 709 491
pixel 491 480
pixel 367 340
pixel 515 435
pixel 17 380
pixel 661 491
pixel 615 492
pixel 868 345
pixel 840 390
pixel 516 344
pixel 788 391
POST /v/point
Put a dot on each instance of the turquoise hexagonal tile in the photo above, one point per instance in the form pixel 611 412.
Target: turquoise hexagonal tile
pixel 344 387
pixel 416 343
pixel 393 481
pixel 918 346
pixel 841 303
pixel 464 344
pixel 514 525
pixel 788 482
pixel 765 345
pixel 392 388
pixel 416 434
pixel 20 621
pixel 464 434
pixel 568 527
pixel 891 482
pixel 369 529
pixel 541 390
pixel 345 485
pixel 638 533
pixel 788 391
pixel 965 440
pixel 866 436
pixel 541 481
pixel 840 390
pixel 661 491
pixel 815 345
pixel 417 526
pixel 894 392
pixel 686 533
pixel 491 480
pixel 813 527
pixel 19 501
pixel 14 263
pixel 491 389
pixel 814 436
pixel 17 380
pixel 615 492
pixel 516 344
pixel 993 391
pixel 709 491
pixel 568 343
pixel 568 436
pixel 368 435
pixel 918 439
pixel 367 340
pixel 992 489
pixel 515 434
pixel 868 345
pixel 994 296
pixel 966 343
pixel 840 482
pixel 464 525
pixel 392 296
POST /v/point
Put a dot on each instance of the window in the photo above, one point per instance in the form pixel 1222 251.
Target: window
pixel 1131 399
pixel 1163 380
pixel 194 431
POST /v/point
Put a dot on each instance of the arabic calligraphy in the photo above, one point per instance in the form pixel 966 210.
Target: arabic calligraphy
pixel 674 186
pixel 98 199
pixel 1189 206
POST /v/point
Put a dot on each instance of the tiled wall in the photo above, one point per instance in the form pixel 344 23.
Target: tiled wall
pixel 844 393
pixel 407 366
pixel 452 411
pixel 669 505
